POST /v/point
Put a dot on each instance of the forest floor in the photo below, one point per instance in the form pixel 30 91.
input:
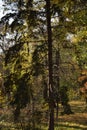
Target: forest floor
pixel 76 121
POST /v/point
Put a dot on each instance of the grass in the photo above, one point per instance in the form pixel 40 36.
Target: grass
pixel 76 121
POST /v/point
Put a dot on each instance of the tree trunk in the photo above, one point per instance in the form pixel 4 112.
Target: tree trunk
pixel 33 110
pixel 57 80
pixel 51 97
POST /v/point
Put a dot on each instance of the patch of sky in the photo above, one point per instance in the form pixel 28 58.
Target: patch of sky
pixel 69 36
pixel 1 9
pixel 5 9
pixel 55 20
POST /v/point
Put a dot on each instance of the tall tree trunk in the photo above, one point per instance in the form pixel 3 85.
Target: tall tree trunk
pixel 33 110
pixel 51 97
pixel 57 80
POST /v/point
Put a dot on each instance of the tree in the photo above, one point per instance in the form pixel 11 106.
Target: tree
pixel 17 79
pixel 51 91
pixel 59 37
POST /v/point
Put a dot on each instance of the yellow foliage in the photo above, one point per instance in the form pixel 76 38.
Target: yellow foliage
pixel 74 40
pixel 54 1
pixel 79 36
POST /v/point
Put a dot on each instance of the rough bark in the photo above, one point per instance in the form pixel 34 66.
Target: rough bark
pixel 51 97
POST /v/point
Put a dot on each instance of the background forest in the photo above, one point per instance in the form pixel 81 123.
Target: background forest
pixel 43 54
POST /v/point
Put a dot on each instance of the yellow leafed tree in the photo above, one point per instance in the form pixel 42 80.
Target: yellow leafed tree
pixel 54 1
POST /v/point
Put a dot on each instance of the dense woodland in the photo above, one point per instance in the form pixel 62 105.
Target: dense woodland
pixel 43 59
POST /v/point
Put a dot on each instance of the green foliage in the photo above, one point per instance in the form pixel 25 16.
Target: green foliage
pixel 39 59
pixel 26 59
pixel 12 52
pixel 17 80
